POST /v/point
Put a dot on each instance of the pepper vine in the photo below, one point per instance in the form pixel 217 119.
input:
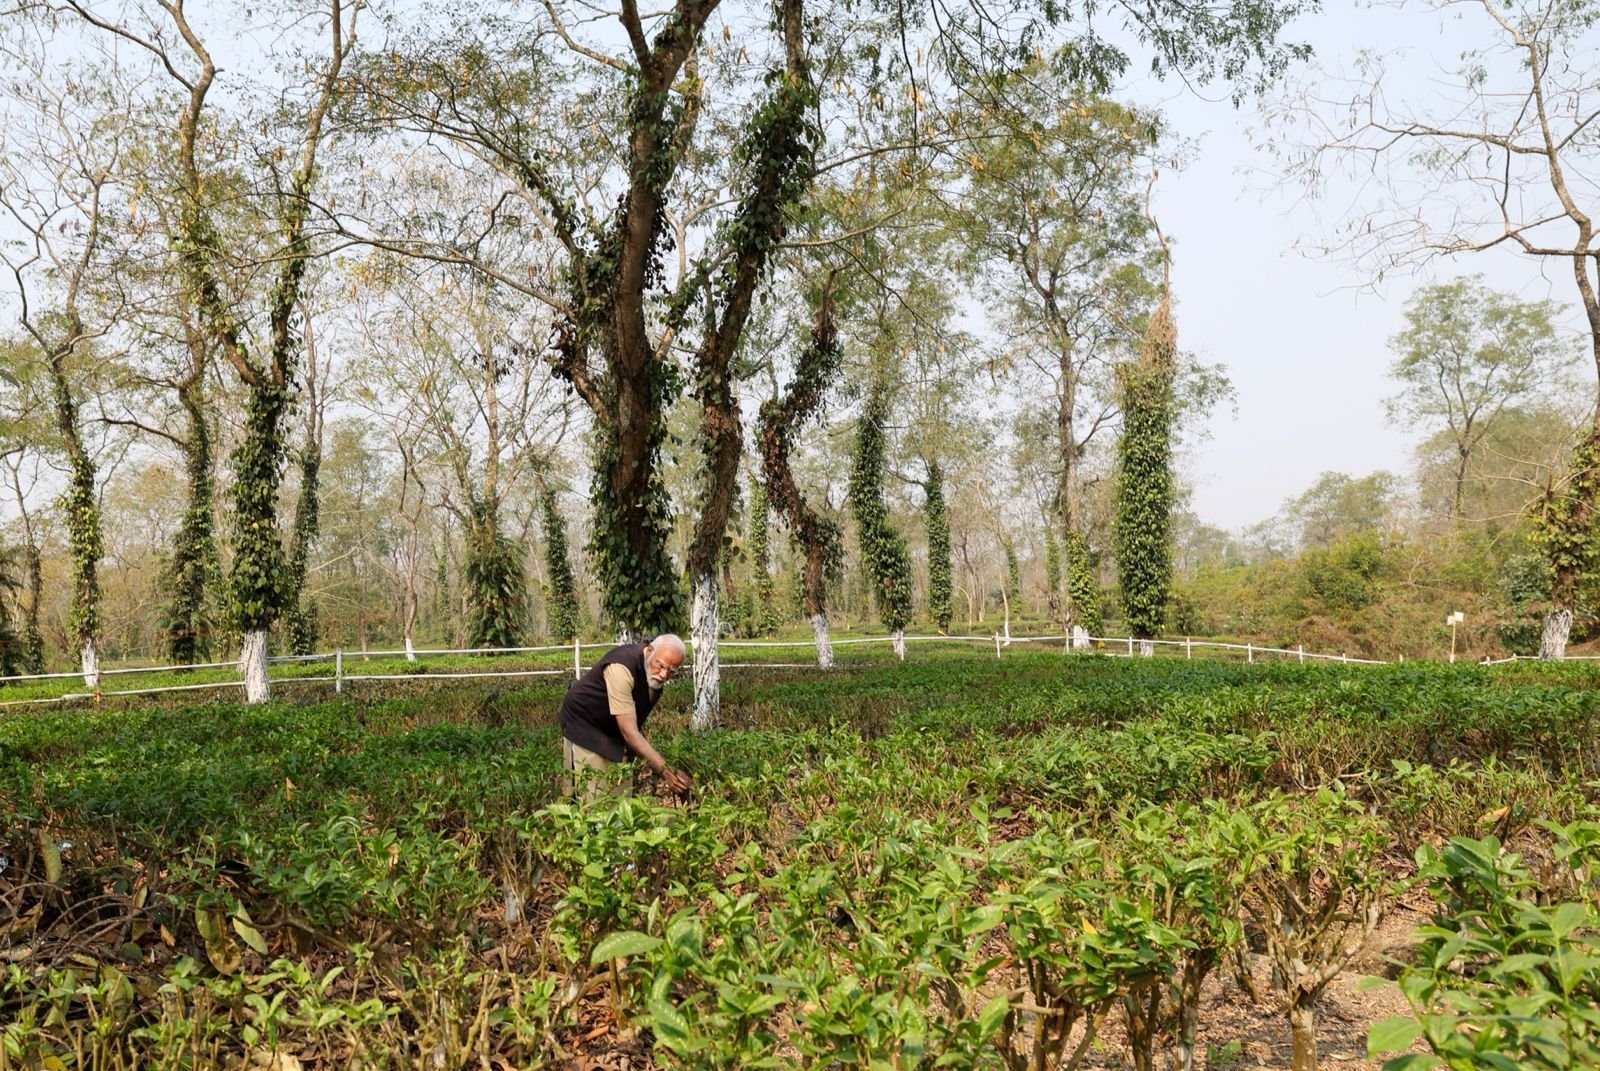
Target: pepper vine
pixel 764 612
pixel 193 569
pixel 561 591
pixel 497 582
pixel 939 565
pixel 1145 489
pixel 300 624
pixel 1565 528
pixel 1083 586
pixel 883 551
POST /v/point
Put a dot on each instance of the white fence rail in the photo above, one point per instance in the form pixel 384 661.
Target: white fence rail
pixel 1118 646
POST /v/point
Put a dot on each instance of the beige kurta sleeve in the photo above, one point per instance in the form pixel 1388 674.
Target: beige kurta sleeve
pixel 619 690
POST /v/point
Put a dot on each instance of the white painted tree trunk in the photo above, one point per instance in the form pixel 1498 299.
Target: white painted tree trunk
pixel 91 664
pixel 705 625
pixel 253 664
pixel 1080 638
pixel 1557 628
pixel 897 639
pixel 819 630
pixel 1147 648
pixel 411 651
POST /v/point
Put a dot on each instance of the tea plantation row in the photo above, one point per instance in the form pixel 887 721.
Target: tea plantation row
pixel 1045 862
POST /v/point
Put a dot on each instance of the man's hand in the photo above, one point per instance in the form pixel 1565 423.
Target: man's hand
pixel 676 780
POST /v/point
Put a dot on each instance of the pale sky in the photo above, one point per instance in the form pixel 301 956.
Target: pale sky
pixel 1305 341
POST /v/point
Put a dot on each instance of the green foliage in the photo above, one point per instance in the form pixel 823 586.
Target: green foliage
pixel 1052 573
pixel 193 570
pixel 1345 576
pixel 32 637
pixel 889 864
pixel 1565 527
pixel 1083 585
pixel 781 421
pixel 497 582
pixel 1337 505
pixel 81 507
pixel 883 551
pixel 1467 354
pixel 1146 488
pixel 561 591
pixel 1013 574
pixel 13 655
pixel 259 577
pixel 1503 977
pixel 764 611
pixel 939 570
pixel 301 625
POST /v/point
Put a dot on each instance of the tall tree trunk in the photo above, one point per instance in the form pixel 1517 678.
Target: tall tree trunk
pixel 33 568
pixel 1557 629
pixel 253 666
pixel 780 422
pixel 819 635
pixel 89 661
pixel 706 624
pixel 82 511
pixel 194 547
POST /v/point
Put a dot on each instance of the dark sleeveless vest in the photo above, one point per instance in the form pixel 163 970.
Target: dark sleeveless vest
pixel 585 714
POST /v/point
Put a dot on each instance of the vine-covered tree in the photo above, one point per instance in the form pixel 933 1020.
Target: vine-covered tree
pixel 883 551
pixel 1052 574
pixel 301 626
pixel 58 162
pixel 780 423
pixel 764 610
pixel 1145 486
pixel 31 637
pixel 193 569
pixel 939 565
pixel 493 569
pixel 561 592
pixel 1061 241
pixel 216 274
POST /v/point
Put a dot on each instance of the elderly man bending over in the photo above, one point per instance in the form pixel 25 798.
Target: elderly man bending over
pixel 603 715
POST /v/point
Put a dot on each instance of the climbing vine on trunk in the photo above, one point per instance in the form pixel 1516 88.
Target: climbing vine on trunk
pixel 561 593
pixel 1052 574
pixel 300 624
pixel 193 570
pixel 939 568
pixel 1566 533
pixel 497 582
pixel 1083 586
pixel 1145 488
pixel 781 421
pixel 883 551
pixel 764 614
pixel 81 508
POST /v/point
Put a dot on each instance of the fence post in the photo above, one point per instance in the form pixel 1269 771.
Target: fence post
pixel 1130 646
pixel 997 646
pixel 577 658
pixel 1188 648
pixel 338 671
pixel 1249 652
pixel 1301 649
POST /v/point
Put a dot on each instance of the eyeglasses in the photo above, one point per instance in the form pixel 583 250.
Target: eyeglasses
pixel 660 667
